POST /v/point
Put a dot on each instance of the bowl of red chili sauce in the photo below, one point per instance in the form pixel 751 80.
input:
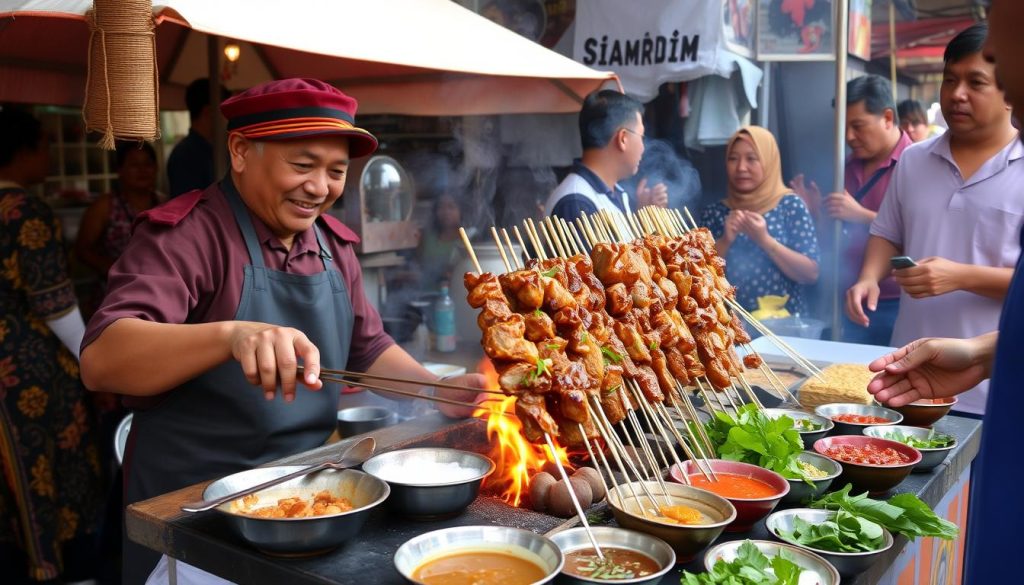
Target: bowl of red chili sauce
pixel 754 491
pixel 851 418
pixel 870 464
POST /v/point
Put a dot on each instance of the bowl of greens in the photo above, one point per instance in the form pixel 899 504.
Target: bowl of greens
pixel 818 473
pixel 851 543
pixel 934 446
pixel 811 427
pixel 759 562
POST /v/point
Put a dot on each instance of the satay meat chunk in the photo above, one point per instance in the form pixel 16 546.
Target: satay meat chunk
pixel 505 341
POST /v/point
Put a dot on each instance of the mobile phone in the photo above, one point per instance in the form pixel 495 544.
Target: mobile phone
pixel 898 262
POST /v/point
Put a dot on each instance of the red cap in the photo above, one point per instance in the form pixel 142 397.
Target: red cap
pixel 296 108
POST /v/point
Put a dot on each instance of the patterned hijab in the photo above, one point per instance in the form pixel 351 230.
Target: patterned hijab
pixel 768 194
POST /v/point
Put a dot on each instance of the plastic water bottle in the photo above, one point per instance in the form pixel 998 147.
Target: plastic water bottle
pixel 444 322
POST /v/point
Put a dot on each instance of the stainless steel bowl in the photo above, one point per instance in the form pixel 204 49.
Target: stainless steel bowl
pixel 574 539
pixel 363 419
pixel 845 428
pixel 300 536
pixel 815 569
pixel 685 540
pixel 930 458
pixel 516 541
pixel 848 564
pixel 425 498
pixel 808 437
pixel 799 491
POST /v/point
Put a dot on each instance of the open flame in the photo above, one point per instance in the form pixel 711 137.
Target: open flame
pixel 516 459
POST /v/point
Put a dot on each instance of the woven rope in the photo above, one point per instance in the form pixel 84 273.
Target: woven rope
pixel 122 98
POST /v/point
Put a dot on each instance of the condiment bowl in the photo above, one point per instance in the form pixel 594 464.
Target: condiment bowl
pixel 300 536
pixel 629 501
pixel 875 479
pixel 423 496
pixel 364 419
pixel 808 437
pixel 799 491
pixel 849 428
pixel 815 569
pixel 748 510
pixel 926 412
pixel 930 458
pixel 527 545
pixel 574 539
pixel 848 564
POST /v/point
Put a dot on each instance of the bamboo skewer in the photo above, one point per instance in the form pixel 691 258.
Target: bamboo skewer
pixel 353 377
pixel 367 385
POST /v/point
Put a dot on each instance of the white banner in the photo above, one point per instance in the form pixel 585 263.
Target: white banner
pixel 649 42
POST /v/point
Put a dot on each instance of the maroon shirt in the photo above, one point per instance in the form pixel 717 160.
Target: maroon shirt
pixel 185 261
pixel 856 178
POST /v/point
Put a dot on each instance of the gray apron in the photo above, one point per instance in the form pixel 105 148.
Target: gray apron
pixel 218 423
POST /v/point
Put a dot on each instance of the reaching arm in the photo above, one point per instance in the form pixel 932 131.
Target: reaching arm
pixel 865 291
pixel 937 276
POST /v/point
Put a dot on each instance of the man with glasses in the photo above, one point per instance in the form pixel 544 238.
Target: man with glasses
pixel 612 133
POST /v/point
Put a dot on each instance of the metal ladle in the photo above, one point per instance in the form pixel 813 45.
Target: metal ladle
pixel 354 455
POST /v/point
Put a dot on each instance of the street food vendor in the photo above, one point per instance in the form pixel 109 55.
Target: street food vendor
pixel 232 287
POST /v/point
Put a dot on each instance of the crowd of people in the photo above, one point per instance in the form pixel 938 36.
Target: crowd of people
pixel 214 275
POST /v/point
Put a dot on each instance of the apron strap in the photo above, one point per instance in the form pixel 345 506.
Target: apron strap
pixel 244 222
pixel 325 256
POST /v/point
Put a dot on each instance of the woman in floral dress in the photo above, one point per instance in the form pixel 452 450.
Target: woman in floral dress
pixel 50 494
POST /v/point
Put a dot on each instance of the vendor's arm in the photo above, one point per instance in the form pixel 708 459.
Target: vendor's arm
pixel 142 358
pixel 932 368
pixel 935 276
pixel 395 362
pixel 865 291
pixel 88 245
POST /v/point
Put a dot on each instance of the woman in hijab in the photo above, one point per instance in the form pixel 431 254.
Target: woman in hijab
pixel 764 231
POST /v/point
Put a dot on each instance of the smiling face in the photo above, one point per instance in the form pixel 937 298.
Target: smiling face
pixel 972 103
pixel 289 183
pixel 743 165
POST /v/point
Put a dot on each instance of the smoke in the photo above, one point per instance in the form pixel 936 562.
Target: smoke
pixel 661 164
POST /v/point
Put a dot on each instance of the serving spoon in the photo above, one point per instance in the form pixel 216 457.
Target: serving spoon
pixel 354 455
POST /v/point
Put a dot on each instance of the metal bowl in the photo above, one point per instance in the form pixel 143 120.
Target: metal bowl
pixel 815 569
pixel 808 437
pixel 848 564
pixel 923 413
pixel 363 419
pixel 574 539
pixel 300 536
pixel 685 540
pixel 846 428
pixel 515 541
pixel 799 491
pixel 930 458
pixel 875 479
pixel 425 498
pixel 748 510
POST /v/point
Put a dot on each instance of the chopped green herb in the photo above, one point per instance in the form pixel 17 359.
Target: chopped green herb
pixel 806 425
pixel 932 441
pixel 538 313
pixel 550 272
pixel 613 389
pixel 584 337
pixel 553 346
pixel 610 355
pixel 654 345
pixel 542 368
pixel 750 567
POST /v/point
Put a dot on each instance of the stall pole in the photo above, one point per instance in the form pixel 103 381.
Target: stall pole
pixel 841 35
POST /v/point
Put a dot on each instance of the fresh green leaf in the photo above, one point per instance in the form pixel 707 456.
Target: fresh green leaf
pixel 902 514
pixel 750 567
pixel 542 368
pixel 550 272
pixel 754 437
pixel 933 441
pixel 806 425
pixel 846 533
pixel 610 355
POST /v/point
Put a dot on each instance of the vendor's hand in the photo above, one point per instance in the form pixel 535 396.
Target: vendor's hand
pixel 656 195
pixel 810 193
pixel 928 368
pixel 861 293
pixel 269 355
pixel 931 277
pixel 470 380
pixel 756 228
pixel 844 207
pixel 733 222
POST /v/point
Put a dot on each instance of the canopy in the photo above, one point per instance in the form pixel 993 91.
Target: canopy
pixel 416 57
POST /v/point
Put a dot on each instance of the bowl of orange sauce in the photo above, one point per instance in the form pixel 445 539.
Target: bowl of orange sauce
pixel 464 555
pixel 753 490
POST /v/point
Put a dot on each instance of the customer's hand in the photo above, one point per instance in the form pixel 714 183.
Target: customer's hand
pixel 809 192
pixel 467 396
pixel 656 195
pixel 844 207
pixel 756 228
pixel 931 368
pixel 269 355
pixel 931 277
pixel 861 293
pixel 733 222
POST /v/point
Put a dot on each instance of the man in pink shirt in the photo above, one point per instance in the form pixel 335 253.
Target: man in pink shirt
pixel 954 206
